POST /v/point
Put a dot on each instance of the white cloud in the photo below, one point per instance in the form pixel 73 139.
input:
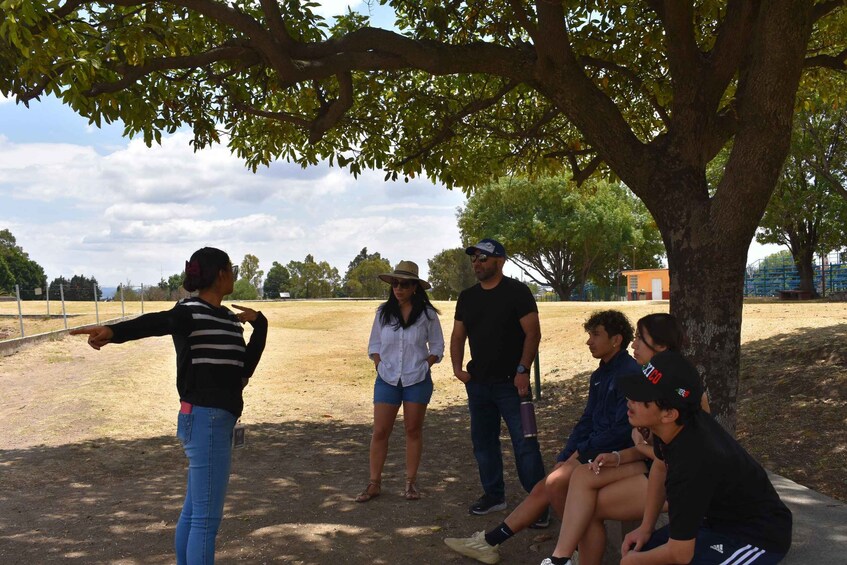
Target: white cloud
pixel 4 99
pixel 154 212
pixel 136 213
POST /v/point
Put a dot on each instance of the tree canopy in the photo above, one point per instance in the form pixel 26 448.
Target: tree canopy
pixel 361 280
pixel 78 288
pixel 561 234
pixel 16 268
pixel 250 271
pixel 243 289
pixel 808 210
pixel 466 92
pixel 450 272
pixel 312 279
pixel 277 281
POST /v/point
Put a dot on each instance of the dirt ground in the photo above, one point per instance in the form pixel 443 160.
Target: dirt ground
pixel 90 470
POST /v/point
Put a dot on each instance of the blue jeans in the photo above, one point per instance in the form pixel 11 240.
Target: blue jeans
pixel 206 436
pixel 487 403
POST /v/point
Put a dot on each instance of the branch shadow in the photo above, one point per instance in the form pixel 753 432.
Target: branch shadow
pixel 792 406
pixel 290 497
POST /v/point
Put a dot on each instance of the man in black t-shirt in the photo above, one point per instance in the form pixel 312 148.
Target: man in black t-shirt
pixel 722 507
pixel 500 319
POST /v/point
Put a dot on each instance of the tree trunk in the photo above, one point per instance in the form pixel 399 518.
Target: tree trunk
pixel 804 261
pixel 707 296
pixel 563 291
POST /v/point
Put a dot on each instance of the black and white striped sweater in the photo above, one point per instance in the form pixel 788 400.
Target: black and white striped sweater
pixel 211 354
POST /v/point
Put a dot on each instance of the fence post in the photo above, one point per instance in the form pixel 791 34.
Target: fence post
pixel 537 366
pixel 47 296
pixel 123 314
pixel 62 296
pixel 142 298
pixel 823 275
pixel 96 305
pixel 20 312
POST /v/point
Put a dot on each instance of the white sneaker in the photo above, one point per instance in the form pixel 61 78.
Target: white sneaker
pixel 475 547
pixel 548 561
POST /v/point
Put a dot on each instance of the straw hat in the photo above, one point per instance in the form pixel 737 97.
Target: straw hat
pixel 406 270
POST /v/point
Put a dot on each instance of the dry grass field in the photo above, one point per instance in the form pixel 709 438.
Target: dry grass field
pixel 90 470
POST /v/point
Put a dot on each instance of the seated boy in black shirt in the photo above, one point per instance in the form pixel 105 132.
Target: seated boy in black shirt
pixel 722 507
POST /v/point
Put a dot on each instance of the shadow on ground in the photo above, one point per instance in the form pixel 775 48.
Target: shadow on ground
pixel 290 496
pixel 792 408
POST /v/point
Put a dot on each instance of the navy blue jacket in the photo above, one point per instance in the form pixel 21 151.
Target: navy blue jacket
pixel 603 426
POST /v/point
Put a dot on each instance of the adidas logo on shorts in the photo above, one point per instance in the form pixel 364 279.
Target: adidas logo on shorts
pixel 718 547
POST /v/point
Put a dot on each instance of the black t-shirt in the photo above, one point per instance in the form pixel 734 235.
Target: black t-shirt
pixel 713 481
pixel 492 321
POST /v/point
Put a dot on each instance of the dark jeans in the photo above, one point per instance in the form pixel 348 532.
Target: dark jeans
pixel 487 403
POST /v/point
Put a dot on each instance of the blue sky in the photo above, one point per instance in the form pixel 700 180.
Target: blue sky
pixel 83 200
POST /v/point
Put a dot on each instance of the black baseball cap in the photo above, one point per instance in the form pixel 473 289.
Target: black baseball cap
pixel 490 247
pixel 669 377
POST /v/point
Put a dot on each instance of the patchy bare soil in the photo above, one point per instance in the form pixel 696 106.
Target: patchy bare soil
pixel 90 470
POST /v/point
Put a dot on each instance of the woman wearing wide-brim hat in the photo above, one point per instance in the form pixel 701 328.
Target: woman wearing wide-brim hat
pixel 406 340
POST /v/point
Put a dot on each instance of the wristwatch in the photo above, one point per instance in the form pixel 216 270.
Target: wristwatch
pixel 522 369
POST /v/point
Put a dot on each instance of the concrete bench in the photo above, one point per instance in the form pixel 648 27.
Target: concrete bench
pixel 819 536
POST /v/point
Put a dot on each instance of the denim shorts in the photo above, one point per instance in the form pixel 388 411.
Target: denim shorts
pixel 421 392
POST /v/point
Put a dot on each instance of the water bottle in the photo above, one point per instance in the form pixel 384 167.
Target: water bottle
pixel 530 427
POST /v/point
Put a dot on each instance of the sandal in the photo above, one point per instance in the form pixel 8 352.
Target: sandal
pixel 371 491
pixel 411 492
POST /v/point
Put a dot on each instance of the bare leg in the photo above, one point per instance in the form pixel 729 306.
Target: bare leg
pixel 413 418
pixel 557 484
pixel 622 501
pixel 528 511
pixel 384 417
pixel 627 481
pixel 593 543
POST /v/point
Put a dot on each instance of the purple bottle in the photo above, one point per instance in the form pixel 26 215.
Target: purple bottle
pixel 530 427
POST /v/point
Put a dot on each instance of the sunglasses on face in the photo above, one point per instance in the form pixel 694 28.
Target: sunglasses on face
pixel 235 271
pixel 403 284
pixel 481 257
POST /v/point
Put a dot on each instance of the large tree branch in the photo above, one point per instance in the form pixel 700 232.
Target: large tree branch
pixel 433 57
pixel 131 73
pixel 275 22
pixel 823 9
pixel 727 54
pixel 836 62
pixel 559 75
pixel 765 107
pixel 524 19
pixel 331 113
pixel 684 58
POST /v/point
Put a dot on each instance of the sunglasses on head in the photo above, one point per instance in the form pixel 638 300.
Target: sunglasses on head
pixel 403 284
pixel 481 257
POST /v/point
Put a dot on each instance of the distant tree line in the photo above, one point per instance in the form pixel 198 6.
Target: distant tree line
pixel 16 268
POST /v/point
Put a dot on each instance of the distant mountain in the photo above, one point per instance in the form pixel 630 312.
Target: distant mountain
pixel 108 291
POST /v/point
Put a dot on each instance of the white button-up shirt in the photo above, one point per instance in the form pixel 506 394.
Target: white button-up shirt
pixel 403 352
